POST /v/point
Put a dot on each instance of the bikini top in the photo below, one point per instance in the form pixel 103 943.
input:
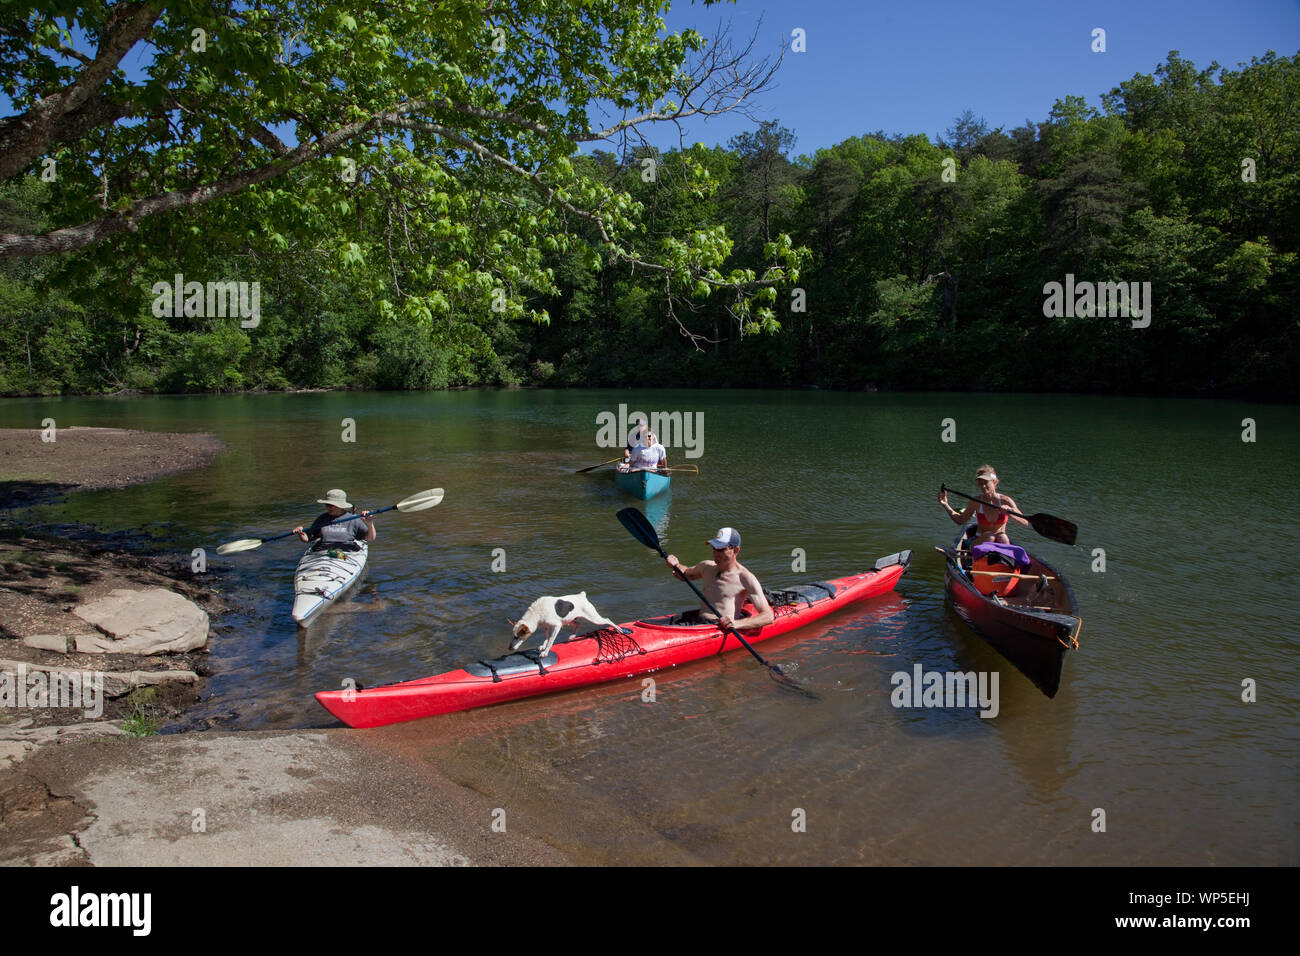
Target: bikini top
pixel 999 519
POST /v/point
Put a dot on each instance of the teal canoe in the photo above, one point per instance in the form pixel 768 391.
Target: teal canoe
pixel 641 484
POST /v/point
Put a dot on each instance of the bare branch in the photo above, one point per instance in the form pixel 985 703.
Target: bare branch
pixel 720 81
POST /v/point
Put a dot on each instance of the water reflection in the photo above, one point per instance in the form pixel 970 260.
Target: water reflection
pixel 1149 706
pixel 656 511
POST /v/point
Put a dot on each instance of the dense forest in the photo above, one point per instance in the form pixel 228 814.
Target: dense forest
pixel 883 261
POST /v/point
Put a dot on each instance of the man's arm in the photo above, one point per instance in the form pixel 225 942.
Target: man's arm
pixel 763 613
pixel 692 573
pixel 312 531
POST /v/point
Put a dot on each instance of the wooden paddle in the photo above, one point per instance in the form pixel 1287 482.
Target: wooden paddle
pixel 1015 574
pixel 416 502
pixel 583 471
pixel 1049 526
pixel 641 529
pixel 683 469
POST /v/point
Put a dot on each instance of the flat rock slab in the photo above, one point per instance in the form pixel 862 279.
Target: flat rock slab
pixel 20 738
pixel 152 621
pixel 47 642
pixel 325 798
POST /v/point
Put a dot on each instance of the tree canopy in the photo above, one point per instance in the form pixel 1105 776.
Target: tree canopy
pixel 408 184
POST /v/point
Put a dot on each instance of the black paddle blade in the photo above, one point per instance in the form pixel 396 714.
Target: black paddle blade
pixel 789 683
pixel 640 528
pixel 1058 529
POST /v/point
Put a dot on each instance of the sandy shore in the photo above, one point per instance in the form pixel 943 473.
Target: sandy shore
pixel 33 469
pixel 301 798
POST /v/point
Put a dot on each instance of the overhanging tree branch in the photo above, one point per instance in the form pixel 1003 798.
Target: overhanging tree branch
pixel 24 138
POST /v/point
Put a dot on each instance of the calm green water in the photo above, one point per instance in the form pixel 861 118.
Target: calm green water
pixel 1149 725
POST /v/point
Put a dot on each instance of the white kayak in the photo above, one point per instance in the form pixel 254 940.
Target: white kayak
pixel 323 576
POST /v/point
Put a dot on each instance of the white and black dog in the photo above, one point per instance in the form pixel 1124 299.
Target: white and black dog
pixel 555 612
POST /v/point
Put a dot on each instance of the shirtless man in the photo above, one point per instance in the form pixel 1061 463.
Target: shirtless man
pixel 990 523
pixel 726 582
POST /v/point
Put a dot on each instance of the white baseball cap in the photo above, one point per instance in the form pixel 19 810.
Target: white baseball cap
pixel 725 538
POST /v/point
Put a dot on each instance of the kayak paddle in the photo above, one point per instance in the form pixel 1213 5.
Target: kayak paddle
pixel 583 471
pixel 416 502
pixel 682 469
pixel 1049 526
pixel 641 529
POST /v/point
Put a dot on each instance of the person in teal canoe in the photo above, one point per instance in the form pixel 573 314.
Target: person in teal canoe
pixel 647 456
pixel 340 535
pixel 727 583
pixel 990 521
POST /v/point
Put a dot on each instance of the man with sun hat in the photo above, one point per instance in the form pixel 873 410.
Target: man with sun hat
pixel 340 535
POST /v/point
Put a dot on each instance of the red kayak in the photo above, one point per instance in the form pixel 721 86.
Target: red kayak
pixel 640 647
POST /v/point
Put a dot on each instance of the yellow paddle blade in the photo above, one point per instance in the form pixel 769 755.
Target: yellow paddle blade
pixel 245 544
pixel 421 500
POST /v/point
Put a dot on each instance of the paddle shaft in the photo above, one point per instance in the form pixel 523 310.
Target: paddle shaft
pixel 583 471
pixel 347 517
pixel 946 490
pixel 1049 526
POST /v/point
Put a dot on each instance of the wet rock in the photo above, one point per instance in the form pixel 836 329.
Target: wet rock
pixel 152 621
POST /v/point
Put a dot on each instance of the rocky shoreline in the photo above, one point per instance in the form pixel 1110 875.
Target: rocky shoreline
pixel 77 791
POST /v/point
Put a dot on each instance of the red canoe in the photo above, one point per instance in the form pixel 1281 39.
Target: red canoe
pixel 604 655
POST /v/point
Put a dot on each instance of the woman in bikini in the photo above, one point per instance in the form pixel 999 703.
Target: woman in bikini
pixel 990 521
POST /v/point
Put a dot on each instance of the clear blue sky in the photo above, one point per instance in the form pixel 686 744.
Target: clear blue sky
pixel 912 66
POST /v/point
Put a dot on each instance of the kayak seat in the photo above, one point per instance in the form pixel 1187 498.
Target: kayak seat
pixel 336 546
pixel 525 662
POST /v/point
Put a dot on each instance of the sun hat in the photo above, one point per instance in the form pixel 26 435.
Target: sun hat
pixel 725 538
pixel 336 497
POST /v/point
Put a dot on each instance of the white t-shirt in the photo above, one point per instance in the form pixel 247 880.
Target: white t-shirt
pixel 643 457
